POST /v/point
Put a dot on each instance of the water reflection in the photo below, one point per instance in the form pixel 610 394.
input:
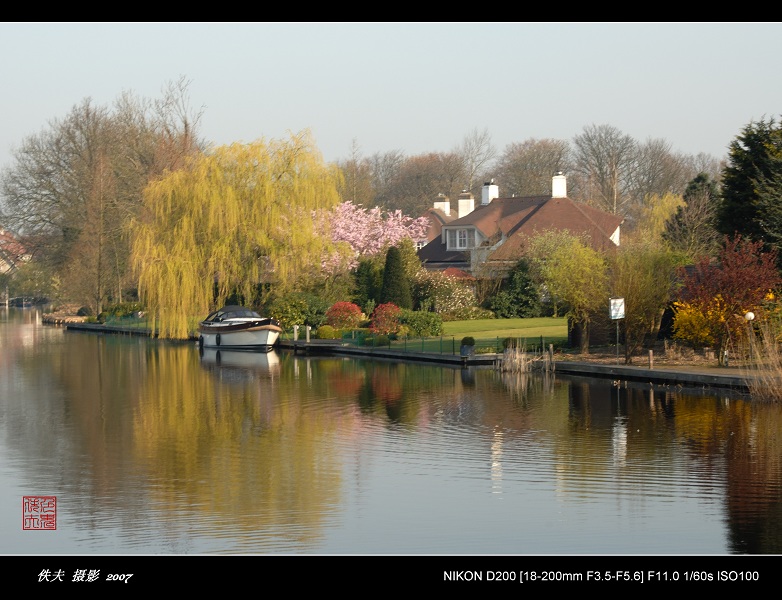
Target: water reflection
pixel 155 447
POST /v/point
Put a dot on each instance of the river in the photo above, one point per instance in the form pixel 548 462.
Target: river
pixel 149 447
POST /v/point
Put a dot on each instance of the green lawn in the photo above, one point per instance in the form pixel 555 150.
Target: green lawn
pixel 489 335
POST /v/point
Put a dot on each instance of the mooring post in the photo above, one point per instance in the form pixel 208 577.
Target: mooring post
pixel 651 359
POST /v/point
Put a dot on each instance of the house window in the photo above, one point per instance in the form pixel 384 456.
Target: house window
pixel 461 239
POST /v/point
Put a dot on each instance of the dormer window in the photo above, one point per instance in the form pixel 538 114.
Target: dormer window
pixel 461 239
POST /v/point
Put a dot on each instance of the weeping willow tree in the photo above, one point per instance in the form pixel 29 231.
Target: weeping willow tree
pixel 237 220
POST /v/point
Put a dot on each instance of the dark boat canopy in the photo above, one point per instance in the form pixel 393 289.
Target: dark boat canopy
pixel 231 311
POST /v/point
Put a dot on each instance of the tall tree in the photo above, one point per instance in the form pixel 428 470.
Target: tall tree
pixel 419 180
pixel 691 231
pixel 74 188
pixel 769 188
pixel 653 214
pixel 575 275
pixel 477 153
pixel 396 285
pixel 357 179
pixel 368 277
pixel 605 160
pixel 750 162
pixel 526 168
pixel 234 221
pixel 644 274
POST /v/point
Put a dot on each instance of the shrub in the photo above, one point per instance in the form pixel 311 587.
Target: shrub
pixel 421 323
pixel 518 296
pixel 315 312
pixel 468 313
pixel 298 309
pixel 468 340
pixel 344 315
pixel 327 332
pixel 444 294
pixel 381 340
pixel 122 309
pixel 385 319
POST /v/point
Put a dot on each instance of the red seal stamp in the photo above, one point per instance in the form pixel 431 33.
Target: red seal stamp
pixel 39 512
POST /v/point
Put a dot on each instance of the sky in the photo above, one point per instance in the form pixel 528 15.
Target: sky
pixel 411 87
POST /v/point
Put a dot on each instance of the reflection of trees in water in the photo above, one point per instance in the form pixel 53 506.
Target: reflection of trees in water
pixel 264 453
pixel 730 442
pixel 223 450
pixel 754 475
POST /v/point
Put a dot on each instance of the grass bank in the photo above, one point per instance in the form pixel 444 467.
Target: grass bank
pixel 489 335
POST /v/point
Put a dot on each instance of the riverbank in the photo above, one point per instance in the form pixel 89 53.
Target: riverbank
pixel 671 368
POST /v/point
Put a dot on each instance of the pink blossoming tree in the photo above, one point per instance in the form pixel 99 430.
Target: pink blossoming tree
pixel 366 233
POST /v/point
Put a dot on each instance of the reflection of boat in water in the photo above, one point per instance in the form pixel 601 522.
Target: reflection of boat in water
pixel 238 327
pixel 247 363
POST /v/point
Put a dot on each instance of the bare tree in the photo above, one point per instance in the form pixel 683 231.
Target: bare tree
pixel 476 152
pixel 356 186
pixel 657 171
pixel 420 179
pixel 692 230
pixel 605 161
pixel 526 168
pixel 385 169
pixel 75 186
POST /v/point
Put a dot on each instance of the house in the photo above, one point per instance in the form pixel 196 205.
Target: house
pixel 489 239
pixel 441 214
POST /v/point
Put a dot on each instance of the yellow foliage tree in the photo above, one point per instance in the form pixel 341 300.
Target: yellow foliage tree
pixel 237 220
pixel 575 275
pixel 655 212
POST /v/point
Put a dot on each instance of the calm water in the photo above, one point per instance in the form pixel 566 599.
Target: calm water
pixel 151 448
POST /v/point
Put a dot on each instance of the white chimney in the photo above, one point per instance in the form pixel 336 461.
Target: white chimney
pixel 466 203
pixel 443 203
pixel 489 192
pixel 558 186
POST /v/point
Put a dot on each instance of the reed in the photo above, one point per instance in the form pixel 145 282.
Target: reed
pixel 762 360
pixel 516 359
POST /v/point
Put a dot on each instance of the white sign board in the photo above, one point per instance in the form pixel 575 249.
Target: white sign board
pixel 617 308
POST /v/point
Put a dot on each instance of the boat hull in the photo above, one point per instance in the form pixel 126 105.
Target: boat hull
pixel 246 339
pixel 238 328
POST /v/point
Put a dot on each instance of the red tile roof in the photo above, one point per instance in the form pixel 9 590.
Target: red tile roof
pixel 517 219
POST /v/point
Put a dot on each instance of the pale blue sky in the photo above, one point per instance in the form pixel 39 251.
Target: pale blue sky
pixel 412 87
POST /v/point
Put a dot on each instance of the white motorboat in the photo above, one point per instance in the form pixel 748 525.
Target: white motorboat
pixel 238 328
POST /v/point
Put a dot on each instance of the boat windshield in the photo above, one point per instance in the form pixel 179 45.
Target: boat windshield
pixel 242 312
pixel 232 313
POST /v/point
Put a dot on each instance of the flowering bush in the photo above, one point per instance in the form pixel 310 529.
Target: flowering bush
pixel 441 293
pixel 716 296
pixel 344 315
pixel 693 326
pixel 385 319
